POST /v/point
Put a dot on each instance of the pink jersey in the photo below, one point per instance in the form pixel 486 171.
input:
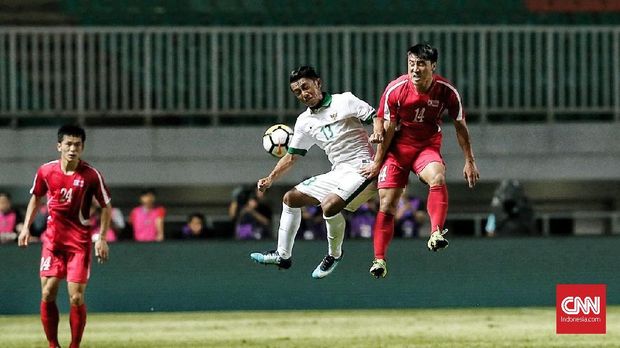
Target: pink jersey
pixel 95 224
pixel 143 221
pixel 419 114
pixel 69 197
pixel 8 221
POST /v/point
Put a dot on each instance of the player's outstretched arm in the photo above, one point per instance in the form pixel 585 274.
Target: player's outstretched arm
pixel 284 165
pixel 372 170
pixel 31 211
pixel 470 171
pixel 102 251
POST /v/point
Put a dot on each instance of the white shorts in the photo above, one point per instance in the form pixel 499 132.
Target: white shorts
pixel 343 181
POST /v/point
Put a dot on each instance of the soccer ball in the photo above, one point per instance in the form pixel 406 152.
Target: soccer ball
pixel 276 139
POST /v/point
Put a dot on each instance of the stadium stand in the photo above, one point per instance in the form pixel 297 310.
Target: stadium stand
pixel 95 75
pixel 364 12
pixel 273 13
pixel 34 12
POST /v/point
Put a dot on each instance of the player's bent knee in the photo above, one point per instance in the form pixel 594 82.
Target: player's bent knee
pixel 289 198
pixel 330 210
pixel 297 199
pixel 388 204
pixel 332 205
pixel 438 179
pixel 388 208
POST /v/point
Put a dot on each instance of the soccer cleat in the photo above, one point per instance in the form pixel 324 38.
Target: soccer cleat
pixel 378 268
pixel 326 267
pixel 437 241
pixel 272 258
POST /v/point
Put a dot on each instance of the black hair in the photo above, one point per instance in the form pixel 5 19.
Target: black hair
pixel 195 215
pixel 148 190
pixel 301 72
pixel 424 51
pixel 71 130
pixel 6 194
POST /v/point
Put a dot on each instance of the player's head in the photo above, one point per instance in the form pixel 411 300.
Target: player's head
pixel 424 51
pixel 71 140
pixel 421 63
pixel 71 130
pixel 305 83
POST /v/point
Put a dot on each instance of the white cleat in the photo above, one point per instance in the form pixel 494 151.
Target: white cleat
pixel 271 258
pixel 378 268
pixel 326 267
pixel 437 241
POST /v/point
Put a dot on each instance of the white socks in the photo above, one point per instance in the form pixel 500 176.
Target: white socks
pixel 335 234
pixel 290 220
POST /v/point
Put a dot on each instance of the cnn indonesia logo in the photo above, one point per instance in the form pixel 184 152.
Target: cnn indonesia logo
pixel 581 308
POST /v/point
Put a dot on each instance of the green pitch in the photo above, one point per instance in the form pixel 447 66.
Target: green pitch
pixel 472 327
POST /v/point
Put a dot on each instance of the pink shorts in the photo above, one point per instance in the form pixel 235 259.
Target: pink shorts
pixel 73 265
pixel 412 158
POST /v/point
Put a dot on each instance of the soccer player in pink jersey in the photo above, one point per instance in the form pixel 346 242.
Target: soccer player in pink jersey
pixel 408 131
pixel 70 185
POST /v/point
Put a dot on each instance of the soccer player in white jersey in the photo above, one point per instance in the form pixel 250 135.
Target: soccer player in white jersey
pixel 333 122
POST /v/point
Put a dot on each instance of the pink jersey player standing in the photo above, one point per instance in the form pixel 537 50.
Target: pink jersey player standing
pixel 408 130
pixel 70 185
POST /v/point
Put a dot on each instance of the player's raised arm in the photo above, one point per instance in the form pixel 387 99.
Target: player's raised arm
pixel 470 171
pixel 284 165
pixel 31 211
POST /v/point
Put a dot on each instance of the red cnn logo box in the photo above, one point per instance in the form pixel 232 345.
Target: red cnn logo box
pixel 580 308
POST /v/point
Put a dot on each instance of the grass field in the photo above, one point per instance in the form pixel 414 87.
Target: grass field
pixel 488 327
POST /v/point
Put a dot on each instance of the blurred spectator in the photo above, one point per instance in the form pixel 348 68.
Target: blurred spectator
pixel 312 223
pixel 410 214
pixel 39 224
pixel 511 211
pixel 117 222
pixel 240 196
pixel 10 220
pixel 195 228
pixel 362 220
pixel 254 221
pixel 147 219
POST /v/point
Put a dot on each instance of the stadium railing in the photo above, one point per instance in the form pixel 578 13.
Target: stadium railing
pixel 558 223
pixel 579 222
pixel 504 73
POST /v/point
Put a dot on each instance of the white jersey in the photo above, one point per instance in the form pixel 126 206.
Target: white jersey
pixel 336 127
